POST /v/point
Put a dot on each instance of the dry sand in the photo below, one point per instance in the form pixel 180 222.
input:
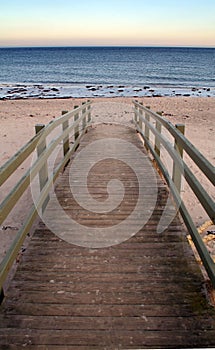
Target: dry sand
pixel 18 118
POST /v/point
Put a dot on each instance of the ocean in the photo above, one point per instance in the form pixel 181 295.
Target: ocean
pixel 106 71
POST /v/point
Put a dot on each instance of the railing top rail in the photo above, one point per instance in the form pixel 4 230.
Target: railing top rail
pixel 60 120
pixel 206 167
pixel 194 183
pixel 19 157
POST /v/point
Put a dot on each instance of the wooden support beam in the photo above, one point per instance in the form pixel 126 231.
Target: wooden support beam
pixel 147 116
pixel 76 129
pixel 135 113
pixel 157 141
pixel 89 113
pixel 1 295
pixel 84 121
pixel 43 173
pixel 65 125
pixel 141 114
pixel 176 174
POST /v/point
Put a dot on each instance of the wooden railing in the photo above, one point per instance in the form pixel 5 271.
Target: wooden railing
pixel 151 126
pixel 73 125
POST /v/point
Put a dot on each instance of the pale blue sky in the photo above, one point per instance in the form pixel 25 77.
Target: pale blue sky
pixel 107 22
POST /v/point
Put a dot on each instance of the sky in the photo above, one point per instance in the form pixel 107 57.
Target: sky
pixel 107 23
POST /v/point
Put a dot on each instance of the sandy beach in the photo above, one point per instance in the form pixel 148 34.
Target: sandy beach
pixel 18 118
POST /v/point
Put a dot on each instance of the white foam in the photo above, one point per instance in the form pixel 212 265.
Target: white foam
pixel 24 91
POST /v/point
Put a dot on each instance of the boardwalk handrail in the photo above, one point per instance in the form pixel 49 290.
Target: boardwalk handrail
pixel 76 120
pixel 181 143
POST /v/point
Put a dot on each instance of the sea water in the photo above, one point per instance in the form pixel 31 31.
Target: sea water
pixel 106 71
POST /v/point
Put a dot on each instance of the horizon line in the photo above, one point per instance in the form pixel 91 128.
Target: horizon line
pixel 104 46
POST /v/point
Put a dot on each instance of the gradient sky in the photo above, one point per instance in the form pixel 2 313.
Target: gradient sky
pixel 107 22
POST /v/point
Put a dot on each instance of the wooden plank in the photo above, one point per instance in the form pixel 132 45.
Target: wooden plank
pixel 95 298
pixel 139 322
pixel 106 338
pixel 100 310
pixel 85 285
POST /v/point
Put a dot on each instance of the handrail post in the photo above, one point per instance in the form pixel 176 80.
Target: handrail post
pixel 157 141
pixel 65 125
pixel 140 115
pixel 176 174
pixel 89 113
pixel 66 147
pixel 1 294
pixel 135 114
pixel 147 117
pixel 84 122
pixel 43 173
pixel 76 129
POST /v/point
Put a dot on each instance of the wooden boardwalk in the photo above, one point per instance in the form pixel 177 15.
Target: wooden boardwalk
pixel 146 292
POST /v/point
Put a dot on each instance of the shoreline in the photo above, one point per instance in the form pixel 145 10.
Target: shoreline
pixel 15 91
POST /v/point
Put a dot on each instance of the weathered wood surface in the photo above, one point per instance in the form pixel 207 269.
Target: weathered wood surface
pixel 146 292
